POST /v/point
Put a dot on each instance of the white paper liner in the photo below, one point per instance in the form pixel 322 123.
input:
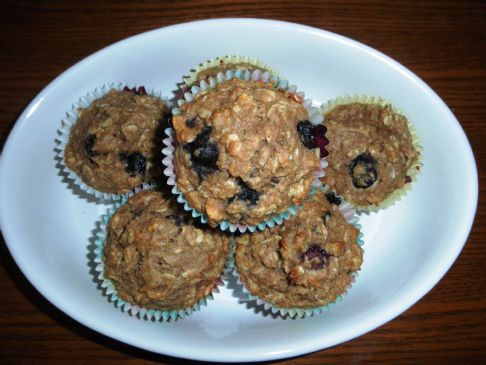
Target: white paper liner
pixel 315 118
pixel 350 215
pixel 225 61
pixel 414 169
pixel 64 131
pixel 109 288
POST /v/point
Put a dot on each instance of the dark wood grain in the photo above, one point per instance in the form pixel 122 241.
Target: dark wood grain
pixel 443 42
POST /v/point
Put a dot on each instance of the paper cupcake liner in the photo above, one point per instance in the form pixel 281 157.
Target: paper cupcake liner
pixel 350 214
pixel 315 118
pixel 225 61
pixel 108 287
pixel 64 131
pixel 414 169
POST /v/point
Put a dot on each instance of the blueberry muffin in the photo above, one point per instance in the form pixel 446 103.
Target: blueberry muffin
pixel 114 144
pixel 157 258
pixel 306 262
pixel 245 152
pixel 371 152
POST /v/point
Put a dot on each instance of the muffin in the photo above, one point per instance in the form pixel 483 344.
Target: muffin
pixel 208 69
pixel 372 153
pixel 157 259
pixel 244 152
pixel 307 262
pixel 113 145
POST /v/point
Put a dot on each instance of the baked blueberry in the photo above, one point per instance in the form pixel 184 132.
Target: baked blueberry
pixel 191 122
pixel 316 256
pixel 305 133
pixel 134 163
pixel 363 171
pixel 333 199
pixel 204 153
pixel 312 136
pixel 88 145
pixel 246 193
pixel 320 140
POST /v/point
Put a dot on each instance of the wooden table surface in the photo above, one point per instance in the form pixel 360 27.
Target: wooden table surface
pixel 443 42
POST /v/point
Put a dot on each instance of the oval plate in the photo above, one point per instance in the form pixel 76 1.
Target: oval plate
pixel 408 247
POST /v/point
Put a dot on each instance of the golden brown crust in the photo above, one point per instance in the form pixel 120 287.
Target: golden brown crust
pixel 306 262
pixel 157 258
pixel 106 135
pixel 377 135
pixel 254 129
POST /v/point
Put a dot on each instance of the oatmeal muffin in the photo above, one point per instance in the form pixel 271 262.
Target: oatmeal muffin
pixel 222 64
pixel 157 259
pixel 113 145
pixel 372 153
pixel 244 152
pixel 306 262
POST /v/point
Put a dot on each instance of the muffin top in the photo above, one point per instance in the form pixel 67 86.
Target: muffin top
pixel 306 262
pixel 370 152
pixel 113 146
pixel 239 156
pixel 157 258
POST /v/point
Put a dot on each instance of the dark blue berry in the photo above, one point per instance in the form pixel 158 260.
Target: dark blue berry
pixel 363 171
pixel 333 199
pixel 204 154
pixel 304 128
pixel 312 136
pixel 246 193
pixel 191 122
pixel 134 163
pixel 88 144
pixel 316 255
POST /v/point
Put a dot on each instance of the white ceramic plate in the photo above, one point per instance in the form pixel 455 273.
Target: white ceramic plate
pixel 409 247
